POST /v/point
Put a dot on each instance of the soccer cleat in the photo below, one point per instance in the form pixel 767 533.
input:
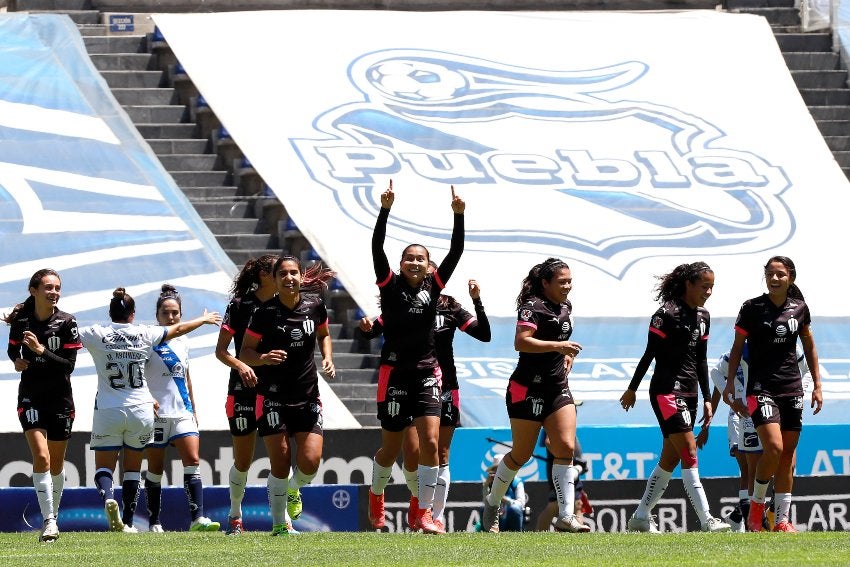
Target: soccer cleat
pixel 234 526
pixel 113 518
pixel 440 526
pixel 490 518
pixel 715 525
pixel 736 519
pixel 647 525
pixel 294 506
pixel 785 526
pixel 570 524
pixel 426 522
pixel 204 524
pixel 156 529
pixel 284 529
pixel 586 506
pixel 128 529
pixel 413 512
pixel 755 517
pixel 376 510
pixel 50 531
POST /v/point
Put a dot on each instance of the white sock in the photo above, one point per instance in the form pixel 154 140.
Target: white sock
pixel 238 479
pixel 427 486
pixel 760 491
pixel 277 488
pixel 380 477
pixel 43 485
pixel 655 487
pixel 696 494
pixel 300 479
pixel 501 481
pixel 782 506
pixel 58 487
pixel 743 496
pixel 441 496
pixel 564 480
pixel 412 480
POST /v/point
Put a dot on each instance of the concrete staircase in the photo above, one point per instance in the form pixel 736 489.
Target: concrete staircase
pixel 816 69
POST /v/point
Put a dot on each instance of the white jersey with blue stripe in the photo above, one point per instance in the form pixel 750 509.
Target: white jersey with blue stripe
pixel 721 369
pixel 167 372
pixel 120 351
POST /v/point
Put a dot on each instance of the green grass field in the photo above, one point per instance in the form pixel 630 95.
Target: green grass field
pixel 183 548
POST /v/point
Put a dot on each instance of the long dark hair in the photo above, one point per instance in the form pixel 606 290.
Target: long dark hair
pixel 122 306
pixel 313 280
pixel 28 305
pixel 169 292
pixel 248 278
pixel 793 290
pixel 532 284
pixel 672 285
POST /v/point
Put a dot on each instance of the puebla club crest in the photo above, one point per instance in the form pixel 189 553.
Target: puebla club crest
pixel 577 168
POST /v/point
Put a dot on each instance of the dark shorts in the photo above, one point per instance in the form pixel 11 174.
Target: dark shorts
pixel 535 404
pixel 450 414
pixel 56 421
pixel 278 417
pixel 787 411
pixel 675 414
pixel 404 395
pixel 242 412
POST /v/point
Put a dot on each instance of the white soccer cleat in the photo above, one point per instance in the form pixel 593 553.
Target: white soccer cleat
pixel 736 520
pixel 113 517
pixel 715 525
pixel 130 529
pixel 490 518
pixel 570 524
pixel 157 529
pixel 50 531
pixel 204 524
pixel 646 525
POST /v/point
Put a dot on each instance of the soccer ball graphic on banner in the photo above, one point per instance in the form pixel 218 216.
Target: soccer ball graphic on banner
pixel 415 81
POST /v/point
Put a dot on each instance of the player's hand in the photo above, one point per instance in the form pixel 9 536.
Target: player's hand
pixel 702 438
pixel 474 289
pixel 627 400
pixel 458 205
pixel 387 197
pixel 247 375
pixel 817 400
pixel 365 325
pixel 328 368
pixel 568 348
pixel 274 357
pixel 21 364
pixel 707 414
pixel 211 318
pixel 31 342
pixel 568 364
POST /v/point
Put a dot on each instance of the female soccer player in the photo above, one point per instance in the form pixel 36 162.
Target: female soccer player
pixel 280 341
pixel 252 286
pixel 677 340
pixel 538 392
pixel 409 377
pixel 451 316
pixel 176 420
pixel 123 410
pixel 43 344
pixel 770 325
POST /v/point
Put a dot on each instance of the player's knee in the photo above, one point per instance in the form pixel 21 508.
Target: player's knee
pixel 689 459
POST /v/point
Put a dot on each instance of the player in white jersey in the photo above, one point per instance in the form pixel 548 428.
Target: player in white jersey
pixel 123 411
pixel 744 443
pixel 176 422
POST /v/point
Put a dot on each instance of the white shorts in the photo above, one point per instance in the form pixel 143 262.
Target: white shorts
pixel 167 429
pixel 116 428
pixel 733 432
pixel 748 439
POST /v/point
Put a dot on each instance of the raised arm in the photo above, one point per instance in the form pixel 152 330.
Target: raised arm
pixel 379 257
pixel 180 329
pixel 480 329
pixel 450 262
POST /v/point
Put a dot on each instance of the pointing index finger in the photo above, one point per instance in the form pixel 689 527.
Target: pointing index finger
pixel 453 192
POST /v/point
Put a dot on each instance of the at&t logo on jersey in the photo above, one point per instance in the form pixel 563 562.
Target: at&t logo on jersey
pixel 450 118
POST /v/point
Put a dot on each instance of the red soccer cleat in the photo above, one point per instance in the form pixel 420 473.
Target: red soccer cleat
pixel 376 510
pixel 439 524
pixel 586 507
pixel 426 522
pixel 785 526
pixel 413 513
pixel 755 516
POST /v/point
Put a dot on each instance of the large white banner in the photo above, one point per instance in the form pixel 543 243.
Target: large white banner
pixel 625 143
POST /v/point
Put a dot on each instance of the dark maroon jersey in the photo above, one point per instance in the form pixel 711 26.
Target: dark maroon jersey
pixel 452 316
pixel 551 322
pixel 48 377
pixel 294 381
pixel 772 334
pixel 682 349
pixel 235 321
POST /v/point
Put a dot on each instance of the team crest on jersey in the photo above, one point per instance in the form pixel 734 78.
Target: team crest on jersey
pixel 657 322
pixel 525 314
pixel 443 118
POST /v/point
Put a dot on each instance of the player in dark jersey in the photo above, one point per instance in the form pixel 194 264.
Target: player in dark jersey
pixel 677 340
pixel 409 376
pixel 770 325
pixel 280 342
pixel 43 344
pixel 451 316
pixel 538 392
pixel 252 286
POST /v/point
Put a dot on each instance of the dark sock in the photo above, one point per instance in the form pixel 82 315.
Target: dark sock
pixel 194 487
pixel 153 495
pixel 130 496
pixel 103 482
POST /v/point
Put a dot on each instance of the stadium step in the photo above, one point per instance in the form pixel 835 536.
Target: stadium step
pixel 133 79
pixel 154 96
pixel 116 44
pixel 122 61
pixel 818 60
pixel 165 146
